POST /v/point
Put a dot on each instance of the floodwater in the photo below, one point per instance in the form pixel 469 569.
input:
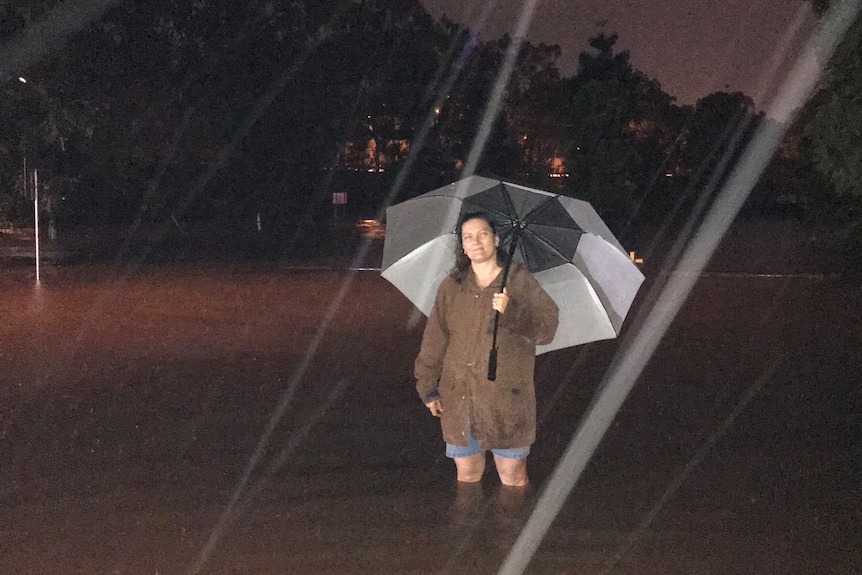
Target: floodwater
pixel 260 419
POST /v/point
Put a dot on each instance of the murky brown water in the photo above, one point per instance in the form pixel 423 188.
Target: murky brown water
pixel 132 407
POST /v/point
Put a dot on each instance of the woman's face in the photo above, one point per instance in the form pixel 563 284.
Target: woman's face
pixel 478 240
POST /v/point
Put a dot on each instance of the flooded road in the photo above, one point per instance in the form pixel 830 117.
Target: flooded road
pixel 257 419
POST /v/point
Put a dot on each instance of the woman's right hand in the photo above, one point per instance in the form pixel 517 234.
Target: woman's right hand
pixel 435 407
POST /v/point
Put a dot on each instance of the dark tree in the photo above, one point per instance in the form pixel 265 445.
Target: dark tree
pixel 833 130
pixel 617 132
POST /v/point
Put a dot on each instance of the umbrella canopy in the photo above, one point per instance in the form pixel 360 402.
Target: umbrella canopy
pixel 561 240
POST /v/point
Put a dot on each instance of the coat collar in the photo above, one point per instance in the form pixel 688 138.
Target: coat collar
pixel 513 268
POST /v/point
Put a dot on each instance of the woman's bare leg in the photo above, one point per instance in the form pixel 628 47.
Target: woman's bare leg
pixel 470 469
pixel 513 472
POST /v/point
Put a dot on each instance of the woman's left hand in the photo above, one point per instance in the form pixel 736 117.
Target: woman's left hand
pixel 500 301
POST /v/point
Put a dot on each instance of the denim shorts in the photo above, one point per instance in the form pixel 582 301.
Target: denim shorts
pixel 472 448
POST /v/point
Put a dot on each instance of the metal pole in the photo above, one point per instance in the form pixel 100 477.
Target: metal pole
pixel 36 211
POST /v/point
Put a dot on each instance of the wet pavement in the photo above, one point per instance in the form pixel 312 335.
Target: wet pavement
pixel 260 419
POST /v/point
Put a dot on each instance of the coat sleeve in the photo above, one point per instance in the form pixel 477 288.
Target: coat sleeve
pixel 531 312
pixel 429 362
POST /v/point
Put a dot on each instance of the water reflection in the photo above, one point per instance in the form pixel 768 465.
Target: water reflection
pixel 371 229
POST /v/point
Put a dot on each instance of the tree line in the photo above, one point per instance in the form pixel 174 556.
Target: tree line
pixel 171 110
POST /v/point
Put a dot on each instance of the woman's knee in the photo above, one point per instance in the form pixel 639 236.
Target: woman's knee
pixel 470 469
pixel 512 472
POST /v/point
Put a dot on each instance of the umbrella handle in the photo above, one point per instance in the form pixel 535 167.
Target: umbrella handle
pixel 492 364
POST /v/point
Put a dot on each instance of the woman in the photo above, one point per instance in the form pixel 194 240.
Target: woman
pixel 451 370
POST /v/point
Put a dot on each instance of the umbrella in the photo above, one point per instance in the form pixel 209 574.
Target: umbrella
pixel 561 240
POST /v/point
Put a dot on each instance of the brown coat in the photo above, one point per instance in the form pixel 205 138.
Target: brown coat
pixel 453 359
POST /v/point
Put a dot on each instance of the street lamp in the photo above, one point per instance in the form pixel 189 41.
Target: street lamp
pixel 23 80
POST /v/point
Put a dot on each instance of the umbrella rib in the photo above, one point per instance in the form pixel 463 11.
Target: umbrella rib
pixel 541 206
pixel 551 247
pixel 488 209
pixel 509 204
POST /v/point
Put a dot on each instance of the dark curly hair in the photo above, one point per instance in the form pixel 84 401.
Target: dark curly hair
pixel 462 263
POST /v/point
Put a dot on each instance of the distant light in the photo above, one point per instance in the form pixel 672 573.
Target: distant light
pixel 371 229
pixel 22 79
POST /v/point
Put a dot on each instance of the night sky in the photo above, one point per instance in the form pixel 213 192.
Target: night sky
pixel 692 47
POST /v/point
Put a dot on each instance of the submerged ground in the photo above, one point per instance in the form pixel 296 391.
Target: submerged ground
pixel 260 419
